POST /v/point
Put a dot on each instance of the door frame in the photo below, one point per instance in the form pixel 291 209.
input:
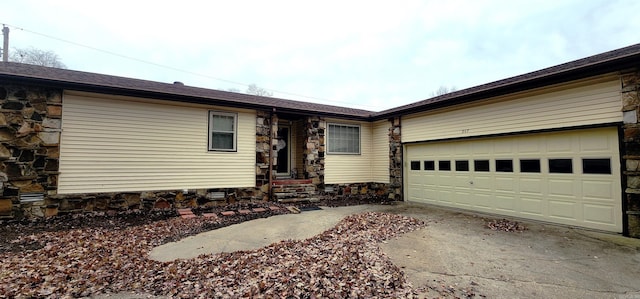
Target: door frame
pixel 288 153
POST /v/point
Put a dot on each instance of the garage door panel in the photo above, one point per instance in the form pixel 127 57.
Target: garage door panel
pixel 462 182
pixel 598 190
pixel 573 198
pixel 445 196
pixel 504 184
pixel 602 214
pixel 482 148
pixel 429 180
pixel 530 186
pixel 595 143
pixel 563 209
pixel 532 206
pixel 559 145
pixel 482 183
pixel 531 146
pixel 560 187
pixel 505 203
pixel 503 147
pixel 463 198
pixel 482 200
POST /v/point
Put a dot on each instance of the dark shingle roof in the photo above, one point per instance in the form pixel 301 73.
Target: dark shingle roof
pixel 616 60
pixel 92 82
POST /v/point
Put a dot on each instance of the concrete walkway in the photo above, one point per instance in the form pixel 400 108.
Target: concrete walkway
pixel 257 233
pixel 456 254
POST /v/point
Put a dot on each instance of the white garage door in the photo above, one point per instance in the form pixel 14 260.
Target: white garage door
pixel 570 177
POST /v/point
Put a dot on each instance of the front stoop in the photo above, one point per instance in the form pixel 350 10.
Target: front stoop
pixel 292 191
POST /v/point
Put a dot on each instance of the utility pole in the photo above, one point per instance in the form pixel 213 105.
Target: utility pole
pixel 5 44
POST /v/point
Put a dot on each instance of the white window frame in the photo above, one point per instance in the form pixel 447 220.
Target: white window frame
pixel 329 137
pixel 211 131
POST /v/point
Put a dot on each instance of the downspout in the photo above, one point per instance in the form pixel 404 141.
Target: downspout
pixel 273 111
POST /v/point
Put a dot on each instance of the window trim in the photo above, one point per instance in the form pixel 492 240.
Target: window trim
pixel 328 141
pixel 210 131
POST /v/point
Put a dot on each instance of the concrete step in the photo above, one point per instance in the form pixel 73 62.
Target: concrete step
pixel 291 182
pixel 298 200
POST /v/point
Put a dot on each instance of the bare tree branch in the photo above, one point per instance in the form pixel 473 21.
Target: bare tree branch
pixel 254 90
pixel 37 57
pixel 443 90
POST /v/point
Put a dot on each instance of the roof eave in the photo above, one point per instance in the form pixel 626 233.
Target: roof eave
pixel 176 97
pixel 586 71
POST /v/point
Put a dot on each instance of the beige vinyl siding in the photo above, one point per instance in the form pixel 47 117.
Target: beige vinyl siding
pixel 595 101
pixel 118 145
pixel 380 148
pixel 350 168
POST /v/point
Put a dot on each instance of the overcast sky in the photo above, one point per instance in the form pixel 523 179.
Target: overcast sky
pixel 372 55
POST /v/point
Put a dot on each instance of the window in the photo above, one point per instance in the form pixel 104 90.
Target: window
pixel 222 131
pixel 415 165
pixel 462 165
pixel 504 165
pixel 481 165
pixel 596 166
pixel 530 165
pixel 429 165
pixel 444 165
pixel 343 139
pixel 560 166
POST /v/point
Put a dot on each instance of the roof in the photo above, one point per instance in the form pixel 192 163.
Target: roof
pixel 612 61
pixel 616 60
pixel 92 82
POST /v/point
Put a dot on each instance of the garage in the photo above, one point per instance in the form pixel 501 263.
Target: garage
pixel 566 177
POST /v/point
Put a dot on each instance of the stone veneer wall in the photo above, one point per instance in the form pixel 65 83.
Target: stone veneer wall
pixel 314 150
pixel 30 125
pixel 631 151
pixel 395 159
pixel 263 150
pixel 148 200
pixel 364 191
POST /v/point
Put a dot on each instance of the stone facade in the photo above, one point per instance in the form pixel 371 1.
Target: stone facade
pixel 631 152
pixel 314 149
pixel 368 192
pixel 148 200
pixel 263 151
pixel 30 125
pixel 395 159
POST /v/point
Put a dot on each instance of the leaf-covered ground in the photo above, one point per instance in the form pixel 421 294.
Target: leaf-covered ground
pixel 344 261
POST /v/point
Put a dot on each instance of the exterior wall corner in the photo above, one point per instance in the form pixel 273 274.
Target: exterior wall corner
pixel 630 147
pixel 395 159
pixel 30 126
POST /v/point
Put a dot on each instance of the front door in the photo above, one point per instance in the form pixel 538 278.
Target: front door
pixel 284 151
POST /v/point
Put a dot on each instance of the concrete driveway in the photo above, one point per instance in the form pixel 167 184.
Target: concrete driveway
pixel 457 256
